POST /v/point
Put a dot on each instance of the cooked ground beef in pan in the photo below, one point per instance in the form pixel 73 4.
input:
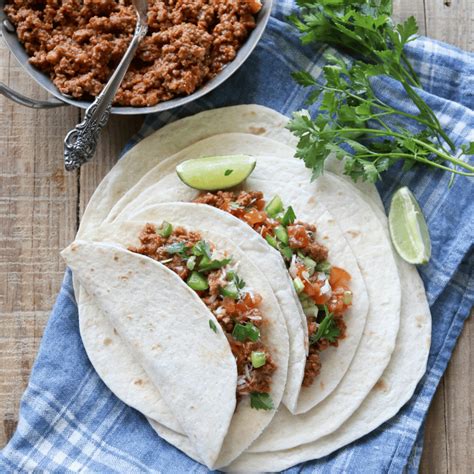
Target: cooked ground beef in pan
pixel 79 43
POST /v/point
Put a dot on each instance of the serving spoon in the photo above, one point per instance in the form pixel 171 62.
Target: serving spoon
pixel 80 143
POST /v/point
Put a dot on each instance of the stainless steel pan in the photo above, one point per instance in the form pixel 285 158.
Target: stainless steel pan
pixel 10 38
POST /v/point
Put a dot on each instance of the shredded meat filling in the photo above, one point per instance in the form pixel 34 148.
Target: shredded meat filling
pixel 79 43
pixel 227 311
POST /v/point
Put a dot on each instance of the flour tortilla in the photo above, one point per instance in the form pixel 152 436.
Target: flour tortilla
pixel 196 374
pixel 392 391
pixel 247 423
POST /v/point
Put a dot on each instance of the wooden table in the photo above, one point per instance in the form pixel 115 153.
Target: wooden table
pixel 41 205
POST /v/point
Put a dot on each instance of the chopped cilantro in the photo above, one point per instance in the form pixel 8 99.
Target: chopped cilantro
pixel 261 401
pixel 178 247
pixel 327 329
pixel 232 276
pixel 229 291
pixel 234 205
pixel 202 249
pixel 207 264
pixel 239 282
pixel 228 172
pixel 289 217
pixel 212 325
pixel 324 267
pixel 245 331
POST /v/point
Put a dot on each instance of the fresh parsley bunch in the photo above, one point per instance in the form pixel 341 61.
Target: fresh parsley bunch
pixel 348 102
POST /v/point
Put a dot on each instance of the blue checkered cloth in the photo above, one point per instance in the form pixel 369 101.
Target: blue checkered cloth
pixel 70 421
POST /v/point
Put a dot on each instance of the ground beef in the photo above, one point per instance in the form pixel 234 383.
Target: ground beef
pixel 79 43
pixel 312 367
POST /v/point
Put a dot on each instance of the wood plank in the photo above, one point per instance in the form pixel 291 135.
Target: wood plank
pixel 451 21
pixel 434 459
pixel 38 203
pixel 459 404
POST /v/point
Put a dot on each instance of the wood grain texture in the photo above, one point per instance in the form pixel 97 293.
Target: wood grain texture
pixel 40 206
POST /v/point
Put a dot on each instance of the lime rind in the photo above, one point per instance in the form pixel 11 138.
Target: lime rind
pixel 213 173
pixel 408 228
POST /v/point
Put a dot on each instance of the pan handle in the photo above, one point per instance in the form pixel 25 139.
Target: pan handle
pixel 27 102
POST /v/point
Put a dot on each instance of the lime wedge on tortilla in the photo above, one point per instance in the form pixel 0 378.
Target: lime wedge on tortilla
pixel 408 228
pixel 215 172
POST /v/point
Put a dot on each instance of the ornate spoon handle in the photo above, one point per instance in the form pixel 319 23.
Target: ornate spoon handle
pixel 80 143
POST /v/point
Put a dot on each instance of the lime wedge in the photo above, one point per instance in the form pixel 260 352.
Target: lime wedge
pixel 215 172
pixel 408 229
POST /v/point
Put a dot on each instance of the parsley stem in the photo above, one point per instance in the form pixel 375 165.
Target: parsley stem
pixel 408 65
pixel 414 158
pixel 434 150
pixel 383 106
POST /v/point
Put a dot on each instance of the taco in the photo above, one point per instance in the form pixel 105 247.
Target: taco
pixel 136 299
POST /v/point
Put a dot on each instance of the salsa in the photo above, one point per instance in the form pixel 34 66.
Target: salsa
pixel 213 277
pixel 323 289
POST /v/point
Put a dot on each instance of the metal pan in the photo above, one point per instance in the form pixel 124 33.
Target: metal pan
pixel 15 47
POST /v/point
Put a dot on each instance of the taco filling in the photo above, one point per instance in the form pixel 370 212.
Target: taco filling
pixel 323 289
pixel 213 276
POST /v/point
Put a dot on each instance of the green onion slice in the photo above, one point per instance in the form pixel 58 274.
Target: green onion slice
pixel 274 207
pixel 281 234
pixel 197 282
pixel 258 359
pixel 245 331
pixel 298 284
pixel 165 230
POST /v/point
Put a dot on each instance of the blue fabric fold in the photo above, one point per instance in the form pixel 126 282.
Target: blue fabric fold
pixel 70 421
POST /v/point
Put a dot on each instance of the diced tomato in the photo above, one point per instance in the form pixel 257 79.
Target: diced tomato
pixel 252 302
pixel 229 305
pixel 339 278
pixel 254 217
pixel 336 304
pixel 241 307
pixel 298 236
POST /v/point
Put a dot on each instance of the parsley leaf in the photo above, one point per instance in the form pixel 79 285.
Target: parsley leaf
pixel 261 401
pixel 354 124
